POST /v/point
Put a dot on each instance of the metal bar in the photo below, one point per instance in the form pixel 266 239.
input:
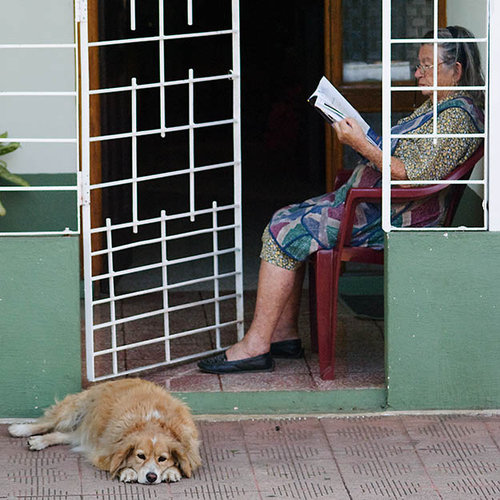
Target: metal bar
pixel 440 40
pixel 156 38
pixel 179 128
pixel 386 115
pixel 64 232
pixel 162 288
pixel 436 136
pixel 203 211
pixel 443 229
pixel 490 204
pixel 190 12
pixel 134 156
pixel 238 236
pixel 215 247
pixel 150 267
pixel 435 71
pixel 132 15
pixel 185 333
pixel 149 314
pixel 37 139
pixel 171 83
pixel 152 241
pixel 421 183
pixel 164 281
pixel 161 29
pixel 39 188
pixel 112 305
pixel 69 93
pixel 38 46
pixel 191 148
pixel 86 215
pixel 197 281
pixel 435 87
pixel 163 175
pixel 157 365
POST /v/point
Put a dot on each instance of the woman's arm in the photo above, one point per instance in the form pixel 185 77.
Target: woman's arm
pixel 349 132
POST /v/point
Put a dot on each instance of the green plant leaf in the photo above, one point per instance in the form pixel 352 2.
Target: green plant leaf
pixel 8 176
pixel 2 210
pixel 7 147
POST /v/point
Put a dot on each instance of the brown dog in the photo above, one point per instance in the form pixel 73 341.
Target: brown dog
pixel 132 428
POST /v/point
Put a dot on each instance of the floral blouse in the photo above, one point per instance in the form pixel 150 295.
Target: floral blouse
pixel 429 159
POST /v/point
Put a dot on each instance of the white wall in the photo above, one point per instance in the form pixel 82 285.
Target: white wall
pixel 38 69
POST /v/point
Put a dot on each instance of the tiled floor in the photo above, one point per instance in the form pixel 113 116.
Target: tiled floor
pixel 360 352
pixel 425 457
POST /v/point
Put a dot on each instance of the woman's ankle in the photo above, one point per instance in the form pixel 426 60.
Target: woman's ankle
pixel 244 349
pixel 288 334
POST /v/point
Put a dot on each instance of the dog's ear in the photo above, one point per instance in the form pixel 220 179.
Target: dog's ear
pixel 186 458
pixel 119 458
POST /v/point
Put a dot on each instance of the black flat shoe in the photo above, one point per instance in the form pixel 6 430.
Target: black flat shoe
pixel 287 349
pixel 220 365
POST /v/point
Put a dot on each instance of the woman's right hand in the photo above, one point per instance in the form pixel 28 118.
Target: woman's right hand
pixel 350 133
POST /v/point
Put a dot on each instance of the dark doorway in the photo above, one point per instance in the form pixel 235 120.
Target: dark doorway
pixel 282 136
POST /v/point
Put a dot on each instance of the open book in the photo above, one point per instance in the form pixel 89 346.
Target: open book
pixel 334 107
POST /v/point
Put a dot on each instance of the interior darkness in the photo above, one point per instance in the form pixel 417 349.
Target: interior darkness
pixel 282 136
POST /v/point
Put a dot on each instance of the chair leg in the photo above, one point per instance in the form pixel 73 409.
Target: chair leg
pixel 313 328
pixel 327 278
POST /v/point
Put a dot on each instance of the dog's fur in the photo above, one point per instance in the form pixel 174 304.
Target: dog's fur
pixel 132 428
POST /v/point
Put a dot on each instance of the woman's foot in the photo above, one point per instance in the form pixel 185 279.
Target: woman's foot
pixel 246 349
pixel 291 349
pixel 220 365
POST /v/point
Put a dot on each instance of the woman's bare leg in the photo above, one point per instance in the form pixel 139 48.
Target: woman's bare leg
pixel 276 286
pixel 287 326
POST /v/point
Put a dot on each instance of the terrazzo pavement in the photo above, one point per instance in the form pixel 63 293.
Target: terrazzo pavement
pixel 426 456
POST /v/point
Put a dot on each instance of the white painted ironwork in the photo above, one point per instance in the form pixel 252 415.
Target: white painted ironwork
pixel 494 117
pixel 118 319
pixel 73 94
pixel 387 88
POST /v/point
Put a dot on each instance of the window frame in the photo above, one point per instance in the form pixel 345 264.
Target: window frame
pixel 489 217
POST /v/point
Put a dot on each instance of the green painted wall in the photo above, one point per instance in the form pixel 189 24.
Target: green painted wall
pixel 443 320
pixel 29 211
pixel 39 322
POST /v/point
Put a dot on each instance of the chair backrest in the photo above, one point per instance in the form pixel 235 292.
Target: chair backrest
pixel 374 195
pixel 461 172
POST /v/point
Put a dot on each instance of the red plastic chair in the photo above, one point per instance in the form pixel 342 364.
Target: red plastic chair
pixel 325 265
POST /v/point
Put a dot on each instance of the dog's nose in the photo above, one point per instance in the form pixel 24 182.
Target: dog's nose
pixel 151 477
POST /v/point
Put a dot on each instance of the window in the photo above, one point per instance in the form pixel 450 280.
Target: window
pixel 391 44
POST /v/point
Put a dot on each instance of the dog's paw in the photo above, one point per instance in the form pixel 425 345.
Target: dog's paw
pixel 20 430
pixel 36 443
pixel 128 475
pixel 172 475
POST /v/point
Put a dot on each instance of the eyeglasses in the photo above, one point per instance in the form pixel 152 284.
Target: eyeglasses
pixel 424 68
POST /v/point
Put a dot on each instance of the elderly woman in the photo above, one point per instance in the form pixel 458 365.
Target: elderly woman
pixel 297 231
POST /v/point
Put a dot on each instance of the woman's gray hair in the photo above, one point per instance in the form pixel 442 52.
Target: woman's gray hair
pixel 466 53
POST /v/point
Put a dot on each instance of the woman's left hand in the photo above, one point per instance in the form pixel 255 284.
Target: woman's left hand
pixel 350 133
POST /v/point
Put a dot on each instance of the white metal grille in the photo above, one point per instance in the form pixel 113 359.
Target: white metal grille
pixel 387 88
pixel 179 295
pixel 42 88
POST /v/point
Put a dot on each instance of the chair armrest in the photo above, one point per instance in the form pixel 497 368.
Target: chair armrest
pixel 398 194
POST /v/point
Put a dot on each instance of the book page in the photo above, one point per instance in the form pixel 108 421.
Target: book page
pixel 334 107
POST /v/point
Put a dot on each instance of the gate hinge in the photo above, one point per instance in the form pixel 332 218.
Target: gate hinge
pixel 81 11
pixel 83 189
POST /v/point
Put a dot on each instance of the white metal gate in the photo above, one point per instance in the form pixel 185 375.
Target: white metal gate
pixel 162 216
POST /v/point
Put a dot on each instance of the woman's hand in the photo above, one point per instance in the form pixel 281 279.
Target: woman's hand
pixel 350 133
